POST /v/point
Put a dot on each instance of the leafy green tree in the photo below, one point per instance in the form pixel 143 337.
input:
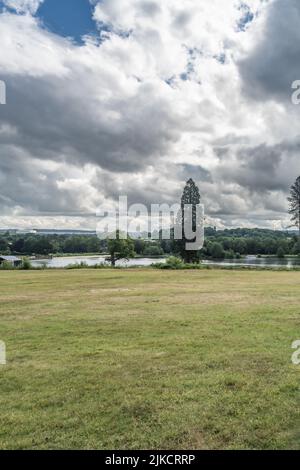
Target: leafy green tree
pixel 230 254
pixel 281 252
pixel 217 251
pixel 166 246
pixel 240 246
pixel 93 245
pixel 43 246
pixel 119 248
pixel 4 246
pixel 18 246
pixel 296 249
pixel 139 246
pixel 294 200
pixel 153 249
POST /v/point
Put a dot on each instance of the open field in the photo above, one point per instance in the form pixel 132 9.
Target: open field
pixel 149 359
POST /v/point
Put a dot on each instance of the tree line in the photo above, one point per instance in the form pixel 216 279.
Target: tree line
pixel 218 244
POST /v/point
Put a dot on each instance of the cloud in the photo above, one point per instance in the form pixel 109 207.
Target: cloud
pixel 272 64
pixel 161 95
pixel 23 6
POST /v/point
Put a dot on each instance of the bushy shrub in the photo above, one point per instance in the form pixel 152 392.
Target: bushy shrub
pixel 174 263
pixel 26 265
pixel 6 266
pixel 81 265
pixel 171 263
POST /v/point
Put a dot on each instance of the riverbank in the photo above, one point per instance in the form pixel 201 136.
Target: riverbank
pixel 96 262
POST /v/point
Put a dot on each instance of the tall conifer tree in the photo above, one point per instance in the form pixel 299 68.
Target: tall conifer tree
pixel 191 196
pixel 294 201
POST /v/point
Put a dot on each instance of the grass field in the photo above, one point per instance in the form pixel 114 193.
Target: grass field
pixel 132 359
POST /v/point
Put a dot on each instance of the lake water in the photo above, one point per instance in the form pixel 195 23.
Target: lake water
pixel 250 261
pixel 253 261
pixel 64 262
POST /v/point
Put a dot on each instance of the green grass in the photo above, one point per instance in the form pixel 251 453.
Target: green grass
pixel 133 359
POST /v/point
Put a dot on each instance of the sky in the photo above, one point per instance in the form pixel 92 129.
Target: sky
pixel 134 97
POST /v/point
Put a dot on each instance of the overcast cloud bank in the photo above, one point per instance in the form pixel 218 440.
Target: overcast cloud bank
pixel 164 93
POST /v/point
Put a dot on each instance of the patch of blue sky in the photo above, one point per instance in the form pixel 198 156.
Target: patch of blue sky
pixel 246 19
pixel 67 18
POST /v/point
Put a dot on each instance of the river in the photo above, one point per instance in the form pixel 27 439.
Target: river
pixel 249 261
pixel 253 261
pixel 66 261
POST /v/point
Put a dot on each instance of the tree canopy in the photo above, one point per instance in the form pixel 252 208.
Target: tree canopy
pixel 120 248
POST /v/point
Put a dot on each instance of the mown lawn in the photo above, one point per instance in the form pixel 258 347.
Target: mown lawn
pixel 132 359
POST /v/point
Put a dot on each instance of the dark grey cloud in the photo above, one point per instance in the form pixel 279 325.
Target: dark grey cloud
pixel 260 169
pixel 274 64
pixel 149 8
pixel 198 172
pixel 30 188
pixel 54 120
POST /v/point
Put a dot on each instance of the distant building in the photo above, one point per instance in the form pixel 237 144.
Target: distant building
pixel 13 260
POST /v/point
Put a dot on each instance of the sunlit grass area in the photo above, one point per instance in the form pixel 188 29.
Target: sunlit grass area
pixel 139 359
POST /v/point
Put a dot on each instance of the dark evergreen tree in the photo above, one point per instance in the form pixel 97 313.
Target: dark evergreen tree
pixel 294 201
pixel 189 201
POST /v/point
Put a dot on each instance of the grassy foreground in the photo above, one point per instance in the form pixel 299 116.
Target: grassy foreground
pixel 137 359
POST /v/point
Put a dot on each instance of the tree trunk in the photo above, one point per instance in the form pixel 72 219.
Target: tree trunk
pixel 113 261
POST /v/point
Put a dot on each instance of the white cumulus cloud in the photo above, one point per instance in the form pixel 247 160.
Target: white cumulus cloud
pixel 23 6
